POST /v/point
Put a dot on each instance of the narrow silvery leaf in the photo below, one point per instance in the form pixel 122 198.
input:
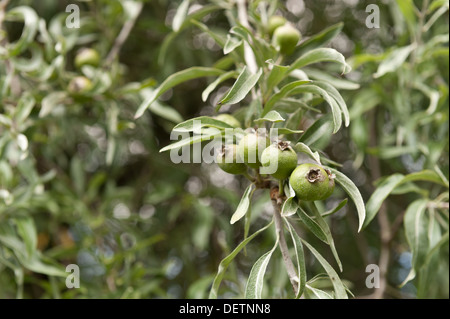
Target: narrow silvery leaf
pixel 180 15
pixel 331 90
pixel 299 253
pixel 289 207
pixel 243 206
pixel 321 55
pixel 201 121
pixel 303 148
pixel 207 134
pixel 244 83
pixel 272 116
pixel 379 195
pixel 173 80
pixel 312 225
pixel 27 230
pixel 326 230
pixel 277 73
pixel 320 294
pixel 227 260
pixel 320 39
pixel 231 44
pixel 31 22
pixel 338 83
pixel 284 91
pixel 339 287
pixel 415 223
pixel 394 60
pixel 50 102
pixel 214 84
pixel 352 191
pixel 255 280
pixel 335 108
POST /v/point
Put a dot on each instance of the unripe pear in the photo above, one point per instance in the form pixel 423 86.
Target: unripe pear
pixel 281 157
pixel 275 22
pixel 228 161
pixel 312 182
pixel 87 56
pixel 286 38
pixel 250 148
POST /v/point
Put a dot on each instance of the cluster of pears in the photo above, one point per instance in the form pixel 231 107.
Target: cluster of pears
pixel 310 182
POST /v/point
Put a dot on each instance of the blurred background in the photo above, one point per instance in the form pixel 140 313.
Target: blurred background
pixel 82 182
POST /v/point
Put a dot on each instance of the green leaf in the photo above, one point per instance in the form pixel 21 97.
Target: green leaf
pixel 51 101
pixel 243 206
pixel 244 83
pixel 276 74
pixel 202 121
pixel 394 60
pixel 165 111
pixel 408 10
pixel 289 207
pixel 216 36
pixel 35 264
pixel 162 110
pixel 365 101
pixel 214 84
pixel 338 83
pixel 339 287
pixel 303 148
pixel 416 235
pixel 173 80
pixel 207 134
pixel 27 230
pixel 425 175
pixel 320 294
pixel 255 280
pixel 320 39
pixel 326 230
pixel 387 186
pixel 336 209
pixel 331 90
pixel 227 260
pixel 24 107
pixel 196 15
pixel 335 108
pixel 320 128
pixel 285 131
pixel 231 44
pixel 443 240
pixel 32 262
pixel 259 48
pixel 352 191
pixel 285 91
pixel 320 55
pixel 31 23
pixel 300 256
pixel 272 116
pixel 180 15
pixel 312 225
pixel 380 194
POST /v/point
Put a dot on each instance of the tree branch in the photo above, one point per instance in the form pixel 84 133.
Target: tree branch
pixel 382 217
pixel 282 240
pixel 123 35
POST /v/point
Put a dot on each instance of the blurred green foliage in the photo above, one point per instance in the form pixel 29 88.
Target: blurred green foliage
pixel 82 181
